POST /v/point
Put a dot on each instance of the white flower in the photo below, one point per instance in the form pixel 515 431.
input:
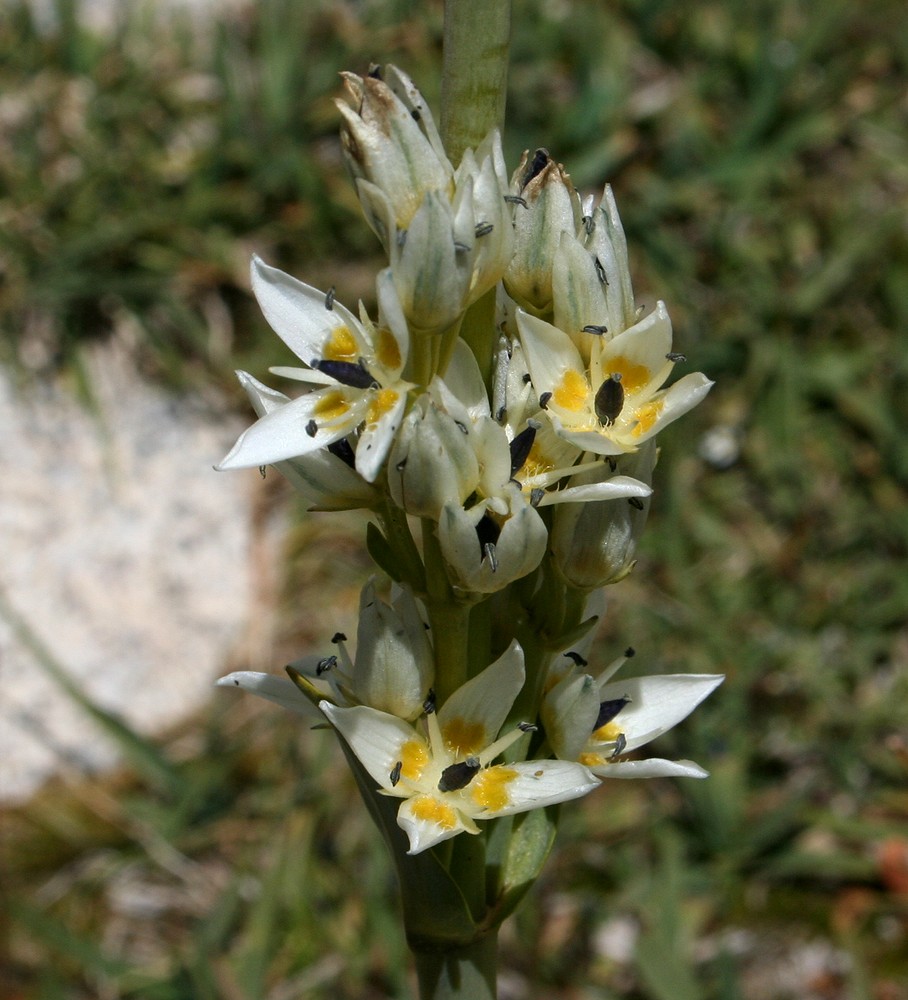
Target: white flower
pixel 356 365
pixel 446 776
pixel 326 478
pixel 615 402
pixel 596 722
pixel 392 670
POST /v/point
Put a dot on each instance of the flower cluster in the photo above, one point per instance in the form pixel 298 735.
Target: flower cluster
pixel 525 452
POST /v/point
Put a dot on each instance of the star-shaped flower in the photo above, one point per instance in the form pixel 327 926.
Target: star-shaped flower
pixel 595 721
pixel 355 365
pixel 616 402
pixel 445 774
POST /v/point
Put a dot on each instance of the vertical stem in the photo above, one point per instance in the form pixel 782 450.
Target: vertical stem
pixel 475 71
pixel 449 619
pixel 459 973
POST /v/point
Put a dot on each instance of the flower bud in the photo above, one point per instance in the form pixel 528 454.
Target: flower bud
pixel 392 671
pixel 486 550
pixel 594 544
pixel 552 208
pixel 432 461
pixel 390 140
pixel 591 281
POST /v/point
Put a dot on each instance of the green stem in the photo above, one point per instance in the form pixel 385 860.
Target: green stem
pixel 449 619
pixel 459 973
pixel 475 72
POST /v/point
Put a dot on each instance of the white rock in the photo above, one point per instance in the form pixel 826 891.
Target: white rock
pixel 126 556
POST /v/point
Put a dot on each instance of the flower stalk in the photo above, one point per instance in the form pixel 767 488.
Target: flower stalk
pixel 498 417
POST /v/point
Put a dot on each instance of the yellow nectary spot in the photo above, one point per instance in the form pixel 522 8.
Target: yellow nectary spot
pixel 536 464
pixel 572 391
pixel 591 759
pixel 386 349
pixel 431 810
pixel 607 733
pixel 341 346
pixel 413 758
pixel 463 738
pixel 633 376
pixel 331 406
pixel 646 416
pixel 490 787
pixel 380 403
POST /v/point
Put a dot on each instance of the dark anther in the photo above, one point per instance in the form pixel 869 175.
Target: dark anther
pixel 395 774
pixel 483 229
pixel 600 271
pixel 588 224
pixel 635 502
pixel 609 399
pixel 544 399
pixel 428 706
pixel 415 115
pixel 527 727
pixel 401 465
pixel 324 665
pixel 537 165
pixel 598 330
pixel 347 373
pixel 375 71
pixel 312 428
pixel 608 710
pixel 521 447
pixel 343 450
pixel 515 199
pixel 630 652
pixel 572 654
pixel 487 532
pixel 491 553
pixel 462 427
pixel 620 744
pixel 401 237
pixel 501 414
pixel 458 775
pixel 675 357
pixel 526 378
pixel 536 495
pixel 338 637
pixel 263 471
pixel 329 298
pixel 612 462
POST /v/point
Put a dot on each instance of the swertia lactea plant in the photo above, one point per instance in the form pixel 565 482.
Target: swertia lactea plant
pixel 509 472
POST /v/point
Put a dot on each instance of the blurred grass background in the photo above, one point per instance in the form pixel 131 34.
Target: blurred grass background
pixel 759 153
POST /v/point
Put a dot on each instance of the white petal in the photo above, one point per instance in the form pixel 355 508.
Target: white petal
pixel 654 767
pixel 376 438
pixel 281 690
pixel 549 352
pixel 464 380
pixel 657 703
pixel 617 487
pixel 282 434
pixel 676 401
pixel 485 700
pixel 375 737
pixel 428 820
pixel 296 311
pixel 645 344
pixel 535 783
